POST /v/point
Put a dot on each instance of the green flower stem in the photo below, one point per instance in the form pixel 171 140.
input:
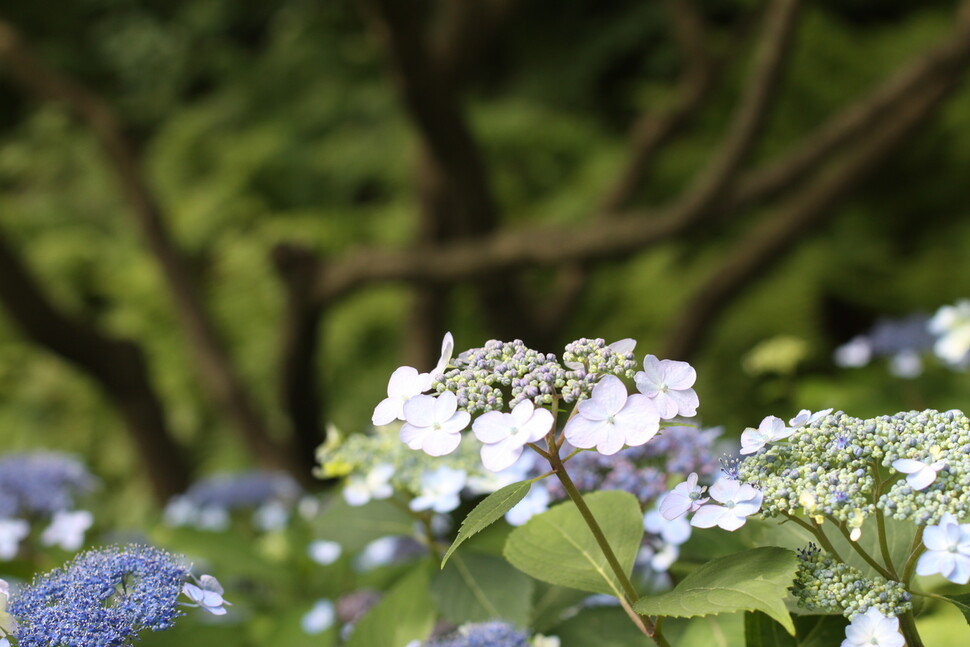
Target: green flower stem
pixel 817 532
pixel 869 559
pixel 907 626
pixel 644 623
pixel 914 552
pixel 881 520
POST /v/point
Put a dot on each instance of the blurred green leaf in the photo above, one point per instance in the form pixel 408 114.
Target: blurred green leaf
pixel 476 588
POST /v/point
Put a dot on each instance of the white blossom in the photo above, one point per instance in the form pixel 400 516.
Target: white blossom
pixel 12 531
pixel 873 629
pixel 806 417
pixel 685 497
pixel 207 594
pixel 738 502
pixel 668 385
pixel 505 434
pixel 319 618
pixel 439 490
pixel 434 425
pixel 947 550
pixel 376 484
pixel 770 430
pixel 609 419
pixel 67 529
pixel 405 383
pixel 535 502
pixel 951 324
pixel 919 474
pixel 324 552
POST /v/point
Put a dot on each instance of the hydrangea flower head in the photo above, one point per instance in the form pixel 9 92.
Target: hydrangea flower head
pixel 434 424
pixel 873 629
pixel 736 501
pixel 609 419
pixel 103 597
pixel 668 384
pixel 207 504
pixel 40 483
pixel 485 634
pixel 947 550
pixel 505 434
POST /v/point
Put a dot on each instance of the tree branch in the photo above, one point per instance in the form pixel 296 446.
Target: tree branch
pixel 766 246
pixel 750 116
pixel 117 365
pixel 215 366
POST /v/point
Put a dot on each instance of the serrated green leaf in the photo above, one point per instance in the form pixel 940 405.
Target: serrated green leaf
pixel 754 580
pixel 406 613
pixel 961 602
pixel 477 588
pixel 557 546
pixel 488 512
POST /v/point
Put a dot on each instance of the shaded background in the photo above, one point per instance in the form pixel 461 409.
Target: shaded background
pixel 223 224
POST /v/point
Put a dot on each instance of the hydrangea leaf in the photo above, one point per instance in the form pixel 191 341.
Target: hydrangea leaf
pixel 476 588
pixel 810 631
pixel 488 512
pixel 406 613
pixel 961 602
pixel 754 580
pixel 599 626
pixel 557 546
pixel 356 526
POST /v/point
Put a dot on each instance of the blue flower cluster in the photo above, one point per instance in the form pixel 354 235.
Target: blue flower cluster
pixel 41 483
pixel 103 598
pixel 485 634
pixel 207 504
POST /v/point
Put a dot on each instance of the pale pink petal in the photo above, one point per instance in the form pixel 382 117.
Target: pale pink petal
pixel 445 406
pixel 610 394
pixel 638 419
pixel 538 425
pixel 678 375
pixel 612 441
pixel 674 505
pixel 501 455
pixel 389 410
pixel 623 346
pixel 457 423
pixel 666 405
pixel 908 465
pixel 725 490
pixel 708 516
pixel 960 573
pixel 584 433
pixel 592 410
pixel 652 370
pixel 730 522
pixel 413 436
pixel 439 443
pixel 522 412
pixel 934 537
pixel 687 402
pixel 404 382
pixel 935 562
pixel 922 479
pixel 420 411
pixel 491 427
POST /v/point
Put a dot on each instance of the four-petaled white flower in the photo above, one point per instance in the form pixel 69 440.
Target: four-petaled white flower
pixel 434 425
pixel 324 552
pixel 873 629
pixel 439 490
pixel 951 324
pixel 806 417
pixel 67 529
pixel 376 484
pixel 319 618
pixel 609 419
pixel 947 550
pixel 505 434
pixel 405 383
pixel 12 531
pixel 685 497
pixel 207 594
pixel 921 475
pixel 668 385
pixel 738 501
pixel 770 430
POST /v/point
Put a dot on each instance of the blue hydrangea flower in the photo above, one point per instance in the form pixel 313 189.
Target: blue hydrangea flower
pixel 103 598
pixel 40 483
pixel 485 634
pixel 207 504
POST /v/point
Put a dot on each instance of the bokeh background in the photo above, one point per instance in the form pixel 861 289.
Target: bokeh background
pixel 223 224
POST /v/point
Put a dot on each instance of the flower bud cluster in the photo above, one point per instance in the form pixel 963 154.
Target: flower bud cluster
pixel 589 360
pixel 824 584
pixel 941 442
pixel 824 469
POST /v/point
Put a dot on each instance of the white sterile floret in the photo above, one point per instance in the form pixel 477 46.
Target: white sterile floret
pixel 505 434
pixel 947 550
pixel 207 594
pixel 873 629
pixel 439 490
pixel 324 552
pixel 685 497
pixel 8 624
pixel 855 353
pixel 486 481
pixel 535 502
pixel 668 385
pixel 770 430
pixel 920 475
pixel 376 484
pixel 434 425
pixel 951 324
pixel 405 383
pixel 447 349
pixel 609 419
pixel 738 502
pixel 673 531
pixel 67 529
pixel 319 618
pixel 12 531
pixel 806 417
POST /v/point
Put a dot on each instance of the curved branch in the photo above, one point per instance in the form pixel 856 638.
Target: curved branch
pixel 214 363
pixel 766 246
pixel 117 365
